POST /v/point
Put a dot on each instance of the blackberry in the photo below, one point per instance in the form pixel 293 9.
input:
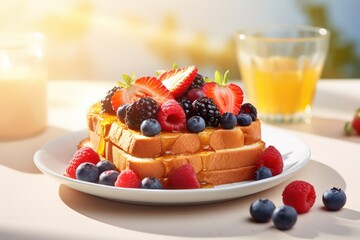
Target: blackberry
pixel 249 109
pixel 140 110
pixel 187 107
pixel 106 101
pixel 206 108
pixel 198 82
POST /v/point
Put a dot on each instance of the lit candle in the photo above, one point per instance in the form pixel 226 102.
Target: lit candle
pixel 22 87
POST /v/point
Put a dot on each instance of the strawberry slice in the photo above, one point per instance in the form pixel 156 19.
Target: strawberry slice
pixel 141 87
pixel 227 97
pixel 179 79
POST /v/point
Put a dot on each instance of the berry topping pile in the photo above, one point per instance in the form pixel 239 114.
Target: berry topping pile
pixel 174 97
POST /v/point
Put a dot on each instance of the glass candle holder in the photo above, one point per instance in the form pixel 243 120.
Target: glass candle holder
pixel 23 99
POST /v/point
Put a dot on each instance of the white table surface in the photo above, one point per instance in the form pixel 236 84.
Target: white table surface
pixel 33 206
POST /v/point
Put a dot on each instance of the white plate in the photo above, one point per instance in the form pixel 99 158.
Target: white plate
pixel 53 157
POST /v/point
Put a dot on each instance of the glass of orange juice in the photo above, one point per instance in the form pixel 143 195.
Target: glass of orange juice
pixel 280 66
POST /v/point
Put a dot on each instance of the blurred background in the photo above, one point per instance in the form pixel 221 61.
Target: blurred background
pixel 102 39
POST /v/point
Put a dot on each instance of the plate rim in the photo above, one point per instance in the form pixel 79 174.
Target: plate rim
pixel 88 187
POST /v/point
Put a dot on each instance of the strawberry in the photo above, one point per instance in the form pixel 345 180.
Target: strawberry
pixel 84 154
pixel 356 121
pixel 171 116
pixel 178 80
pixel 132 91
pixel 227 97
pixel 272 159
pixel 183 177
pixel 128 179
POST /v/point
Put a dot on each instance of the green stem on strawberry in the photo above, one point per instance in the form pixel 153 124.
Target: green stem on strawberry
pixel 220 79
pixel 128 80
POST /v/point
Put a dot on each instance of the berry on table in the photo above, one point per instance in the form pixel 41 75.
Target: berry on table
pixel 195 124
pixel 140 110
pixel 108 177
pixel 249 109
pixel 87 172
pixel 244 119
pixel 150 127
pixel 207 109
pixel 261 210
pixel 151 183
pixel 228 120
pixel 284 217
pixel 128 179
pixel 105 165
pixel 334 199
pixel 262 173
pixel 171 116
pixel 356 122
pixel 183 177
pixel 299 194
pixel 84 154
pixel 272 159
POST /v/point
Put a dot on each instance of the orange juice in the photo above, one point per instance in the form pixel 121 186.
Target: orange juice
pixel 280 85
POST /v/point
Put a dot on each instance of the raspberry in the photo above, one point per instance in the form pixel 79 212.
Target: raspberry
pixel 128 179
pixel 300 195
pixel 356 122
pixel 171 116
pixel 84 154
pixel 272 159
pixel 183 177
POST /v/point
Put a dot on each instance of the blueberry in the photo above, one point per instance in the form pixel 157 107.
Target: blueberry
pixel 150 127
pixel 334 199
pixel 244 119
pixel 104 165
pixel 284 217
pixel 87 172
pixel 261 210
pixel 151 183
pixel 108 177
pixel 262 173
pixel 195 124
pixel 228 120
pixel 121 112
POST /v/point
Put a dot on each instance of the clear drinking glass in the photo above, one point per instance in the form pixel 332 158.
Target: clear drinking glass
pixel 22 85
pixel 280 67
